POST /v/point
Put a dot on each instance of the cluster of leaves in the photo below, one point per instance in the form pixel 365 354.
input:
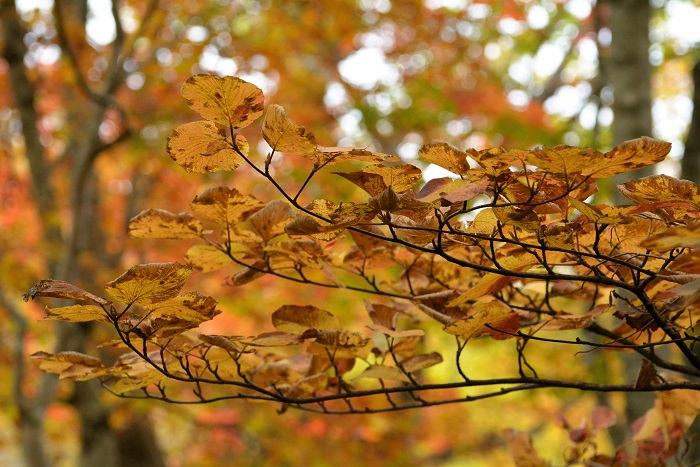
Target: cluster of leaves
pixel 505 248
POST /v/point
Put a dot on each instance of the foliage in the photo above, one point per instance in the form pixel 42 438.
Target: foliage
pixel 506 249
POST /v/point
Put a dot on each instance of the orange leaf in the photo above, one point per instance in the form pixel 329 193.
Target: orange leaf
pixel 445 156
pixel 296 319
pixel 60 289
pixel 284 136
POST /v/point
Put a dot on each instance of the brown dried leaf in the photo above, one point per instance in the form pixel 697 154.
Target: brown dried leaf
pixel 284 136
pixel 248 274
pixel 203 147
pixel 149 283
pixel 77 314
pixel 595 214
pixel 61 289
pixel 225 342
pixel 270 221
pixel 228 100
pixel 382 315
pixel 296 319
pixel 557 236
pixel 225 206
pixel 421 362
pixel 445 156
pixel 157 223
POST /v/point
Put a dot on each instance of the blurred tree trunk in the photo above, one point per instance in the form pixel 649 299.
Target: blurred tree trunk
pixel 690 164
pixel 84 237
pixel 690 170
pixel 629 73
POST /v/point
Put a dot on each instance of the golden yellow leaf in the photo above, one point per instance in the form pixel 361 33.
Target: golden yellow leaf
pixel 497 160
pixel 209 258
pixel 485 223
pixel 149 283
pixel 662 188
pixel 192 307
pixel 625 157
pixel 522 450
pixel 270 221
pixel 445 156
pixel 275 339
pixel 284 136
pixel 374 179
pixel 333 155
pixel 77 314
pixel 227 100
pixel 157 223
pixel 204 147
pixel 308 386
pixel 682 236
pixel 225 206
pixel 73 365
pixel 296 319
pixel 61 289
pixel 557 236
pixel 384 372
pixel 595 214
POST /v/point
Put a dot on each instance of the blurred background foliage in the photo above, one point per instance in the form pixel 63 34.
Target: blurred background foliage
pixel 90 89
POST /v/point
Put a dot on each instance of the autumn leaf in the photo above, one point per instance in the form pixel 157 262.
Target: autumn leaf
pixel 149 283
pixel 270 221
pixel 307 386
pixel 334 155
pixel 384 372
pixel 248 274
pixel 664 189
pixel 225 342
pixel 77 314
pixel 495 314
pixel 498 160
pixel 493 282
pixel 625 157
pixel 522 450
pixel 225 206
pixel 228 100
pixel 595 214
pixel 192 307
pixel 374 179
pixel 445 156
pixel 421 362
pixel 275 339
pixel 157 223
pixel 284 136
pixel 203 147
pixel 296 319
pixel 61 289
pixel 524 218
pixel 73 365
pixel 207 258
pixel 683 236
pixel 454 191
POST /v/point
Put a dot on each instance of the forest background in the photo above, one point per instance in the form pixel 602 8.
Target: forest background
pixel 90 91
